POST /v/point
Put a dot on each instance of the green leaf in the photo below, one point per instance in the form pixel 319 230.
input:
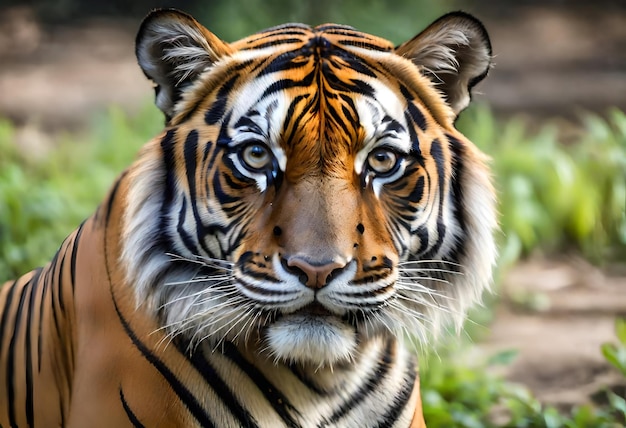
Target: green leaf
pixel 615 355
pixel 617 402
pixel 503 358
pixel 620 330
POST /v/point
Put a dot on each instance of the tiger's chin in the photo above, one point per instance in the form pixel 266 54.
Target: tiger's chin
pixel 322 341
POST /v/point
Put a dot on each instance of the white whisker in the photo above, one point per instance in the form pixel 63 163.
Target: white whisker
pixel 429 262
pixel 200 279
pixel 204 261
pixel 451 272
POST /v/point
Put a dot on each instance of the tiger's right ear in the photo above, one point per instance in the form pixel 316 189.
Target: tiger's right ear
pixel 173 49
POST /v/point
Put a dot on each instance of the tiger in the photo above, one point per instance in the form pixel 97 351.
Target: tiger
pixel 307 218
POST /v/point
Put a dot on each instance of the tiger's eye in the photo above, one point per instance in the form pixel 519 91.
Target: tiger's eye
pixel 382 161
pixel 256 156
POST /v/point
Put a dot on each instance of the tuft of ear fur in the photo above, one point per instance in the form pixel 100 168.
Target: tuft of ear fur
pixel 173 49
pixel 455 53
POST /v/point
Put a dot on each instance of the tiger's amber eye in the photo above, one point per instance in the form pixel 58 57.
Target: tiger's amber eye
pixel 256 156
pixel 382 160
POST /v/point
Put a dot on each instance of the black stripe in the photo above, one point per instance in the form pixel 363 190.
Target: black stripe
pixel 185 396
pixel 271 43
pixel 190 153
pixel 401 400
pixel 112 197
pixel 10 368
pixel 284 62
pixel 355 63
pixel 417 116
pixel 6 309
pixel 219 190
pixel 417 192
pixel 3 328
pixel 423 236
pixel 332 113
pixel 416 150
pixel 59 291
pixel 283 84
pixel 180 229
pixel 282 30
pixel 308 382
pixel 216 112
pixel 369 385
pixel 43 304
pixel 168 143
pixel 345 30
pixel 167 153
pixel 28 349
pixel 289 120
pixel 437 155
pixel 361 44
pixel 271 393
pixel 414 112
pixel 75 254
pixel 457 196
pixel 225 394
pixel 129 412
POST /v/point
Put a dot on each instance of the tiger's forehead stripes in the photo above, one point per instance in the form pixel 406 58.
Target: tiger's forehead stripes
pixel 300 33
pixel 323 68
pixel 320 74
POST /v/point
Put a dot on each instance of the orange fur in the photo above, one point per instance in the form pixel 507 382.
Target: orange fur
pixel 308 204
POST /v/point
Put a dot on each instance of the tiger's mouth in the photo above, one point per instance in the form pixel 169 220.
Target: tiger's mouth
pixel 315 309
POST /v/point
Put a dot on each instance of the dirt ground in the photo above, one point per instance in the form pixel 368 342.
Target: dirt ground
pixel 549 62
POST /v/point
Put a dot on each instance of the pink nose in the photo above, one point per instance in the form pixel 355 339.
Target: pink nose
pixel 317 275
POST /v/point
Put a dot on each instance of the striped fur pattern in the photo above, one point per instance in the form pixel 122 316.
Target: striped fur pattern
pixel 308 208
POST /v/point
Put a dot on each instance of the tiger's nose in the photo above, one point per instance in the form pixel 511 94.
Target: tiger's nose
pixel 311 274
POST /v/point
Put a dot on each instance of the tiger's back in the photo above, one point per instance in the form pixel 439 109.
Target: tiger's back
pixel 308 205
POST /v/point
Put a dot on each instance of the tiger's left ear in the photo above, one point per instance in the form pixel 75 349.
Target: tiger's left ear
pixel 455 53
pixel 173 49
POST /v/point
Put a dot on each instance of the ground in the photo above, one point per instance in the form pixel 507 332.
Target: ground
pixel 549 62
pixel 557 313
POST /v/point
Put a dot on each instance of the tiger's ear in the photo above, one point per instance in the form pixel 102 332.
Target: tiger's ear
pixel 173 49
pixel 455 53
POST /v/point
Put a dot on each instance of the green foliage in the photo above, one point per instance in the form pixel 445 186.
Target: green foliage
pixel 402 21
pixel 553 195
pixel 44 198
pixel 456 394
pixel 615 353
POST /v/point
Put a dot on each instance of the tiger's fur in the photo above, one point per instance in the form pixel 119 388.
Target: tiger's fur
pixel 308 207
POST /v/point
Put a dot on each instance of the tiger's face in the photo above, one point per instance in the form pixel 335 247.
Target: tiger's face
pixel 310 191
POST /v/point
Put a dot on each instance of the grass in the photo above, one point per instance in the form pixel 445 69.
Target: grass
pixel 44 198
pixel 552 197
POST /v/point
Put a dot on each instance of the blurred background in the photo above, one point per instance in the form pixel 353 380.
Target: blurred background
pixel 547 349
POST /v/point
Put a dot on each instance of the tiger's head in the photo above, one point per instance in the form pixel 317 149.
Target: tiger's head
pixel 310 191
